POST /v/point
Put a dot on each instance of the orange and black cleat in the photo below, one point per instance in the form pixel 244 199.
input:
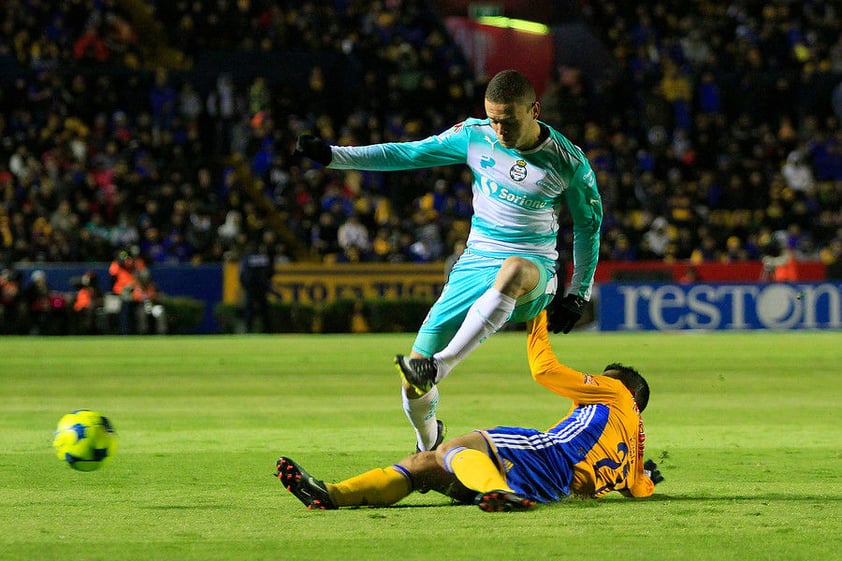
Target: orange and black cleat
pixel 310 491
pixel 503 501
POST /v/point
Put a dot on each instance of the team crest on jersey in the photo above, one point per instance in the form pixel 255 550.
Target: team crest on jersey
pixel 518 171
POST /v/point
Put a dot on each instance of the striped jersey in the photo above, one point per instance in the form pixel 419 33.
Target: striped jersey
pixel 517 194
pixel 602 434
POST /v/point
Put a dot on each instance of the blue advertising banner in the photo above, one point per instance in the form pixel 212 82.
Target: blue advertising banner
pixel 668 306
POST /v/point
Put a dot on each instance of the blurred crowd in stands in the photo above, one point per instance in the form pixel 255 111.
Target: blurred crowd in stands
pixel 721 139
pixel 715 137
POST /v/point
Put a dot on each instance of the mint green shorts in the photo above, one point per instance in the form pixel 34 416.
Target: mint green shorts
pixel 471 276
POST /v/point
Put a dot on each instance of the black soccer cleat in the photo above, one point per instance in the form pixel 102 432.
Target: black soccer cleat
pixel 439 437
pixel 310 491
pixel 503 501
pixel 420 373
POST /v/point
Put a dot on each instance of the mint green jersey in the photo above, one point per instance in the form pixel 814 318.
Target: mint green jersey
pixel 517 194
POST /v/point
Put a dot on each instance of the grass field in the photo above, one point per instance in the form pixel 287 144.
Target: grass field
pixel 747 428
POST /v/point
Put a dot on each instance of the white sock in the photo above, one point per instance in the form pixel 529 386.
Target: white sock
pixel 487 315
pixel 421 413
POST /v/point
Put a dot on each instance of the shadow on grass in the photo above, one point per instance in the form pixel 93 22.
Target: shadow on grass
pixel 184 507
pixel 752 498
pixel 589 502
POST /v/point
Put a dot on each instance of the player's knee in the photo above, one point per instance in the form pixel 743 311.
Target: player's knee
pixel 442 451
pixel 420 461
pixel 516 276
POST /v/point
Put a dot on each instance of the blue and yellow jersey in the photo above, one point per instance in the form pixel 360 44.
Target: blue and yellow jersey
pixel 516 194
pixel 602 434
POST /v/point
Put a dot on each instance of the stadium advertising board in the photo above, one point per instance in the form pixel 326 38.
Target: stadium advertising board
pixel 742 306
pixel 318 283
pixel 315 285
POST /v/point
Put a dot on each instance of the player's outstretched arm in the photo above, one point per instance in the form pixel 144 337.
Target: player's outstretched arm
pixel 548 371
pixel 539 352
pixel 543 364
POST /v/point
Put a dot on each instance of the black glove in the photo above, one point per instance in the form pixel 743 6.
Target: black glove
pixel 562 314
pixel 314 148
pixel 650 468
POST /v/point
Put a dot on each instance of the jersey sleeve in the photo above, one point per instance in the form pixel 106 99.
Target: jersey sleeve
pixel 549 372
pixel 585 206
pixel 449 147
pixel 641 485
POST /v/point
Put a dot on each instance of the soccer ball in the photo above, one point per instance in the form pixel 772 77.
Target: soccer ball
pixel 85 440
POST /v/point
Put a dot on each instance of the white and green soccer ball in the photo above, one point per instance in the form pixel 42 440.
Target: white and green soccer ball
pixel 85 440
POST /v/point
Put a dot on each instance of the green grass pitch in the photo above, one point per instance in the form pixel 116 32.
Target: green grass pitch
pixel 747 428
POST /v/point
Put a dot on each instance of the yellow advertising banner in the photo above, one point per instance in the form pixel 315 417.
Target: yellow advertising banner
pixel 308 283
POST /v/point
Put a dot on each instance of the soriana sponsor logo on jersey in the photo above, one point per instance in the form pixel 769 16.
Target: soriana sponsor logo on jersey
pixel 667 306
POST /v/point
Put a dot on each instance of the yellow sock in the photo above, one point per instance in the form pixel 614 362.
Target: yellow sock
pixel 381 486
pixel 475 470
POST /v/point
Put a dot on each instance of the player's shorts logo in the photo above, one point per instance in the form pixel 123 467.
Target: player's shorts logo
pixel 518 171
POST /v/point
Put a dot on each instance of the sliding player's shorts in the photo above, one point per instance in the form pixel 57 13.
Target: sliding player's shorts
pixel 534 463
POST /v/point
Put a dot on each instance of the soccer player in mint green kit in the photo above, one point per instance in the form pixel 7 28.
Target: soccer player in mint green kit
pixel 524 172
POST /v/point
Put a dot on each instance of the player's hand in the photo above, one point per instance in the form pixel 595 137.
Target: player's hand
pixel 562 314
pixel 650 469
pixel 314 148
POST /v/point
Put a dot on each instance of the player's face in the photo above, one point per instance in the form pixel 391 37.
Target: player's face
pixel 515 124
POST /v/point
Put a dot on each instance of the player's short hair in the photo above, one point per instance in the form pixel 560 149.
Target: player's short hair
pixel 632 379
pixel 510 86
